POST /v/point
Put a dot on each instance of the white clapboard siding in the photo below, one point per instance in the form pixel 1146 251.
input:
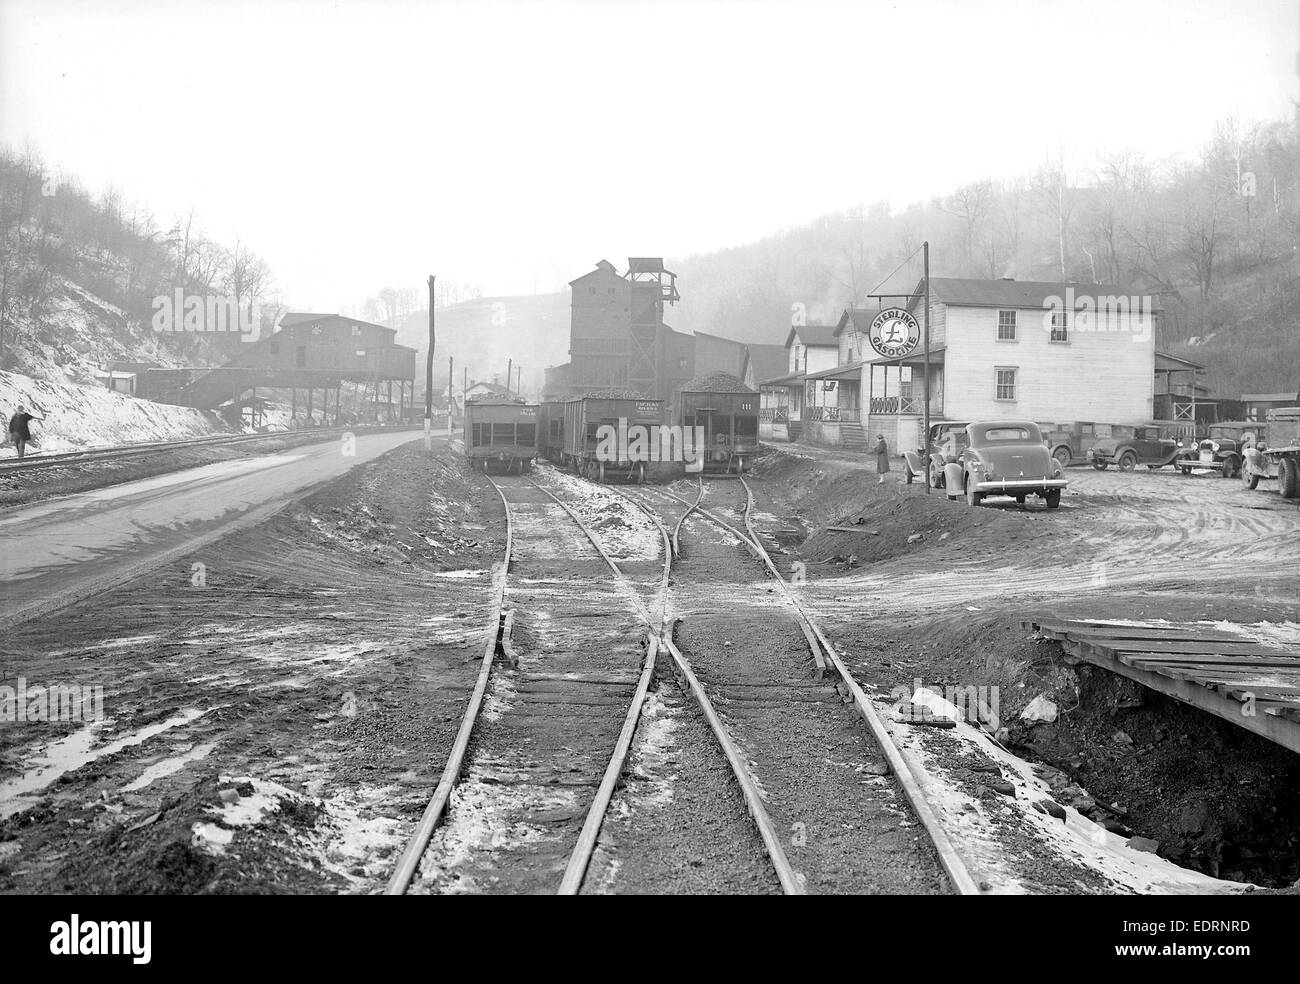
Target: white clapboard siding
pixel 1098 375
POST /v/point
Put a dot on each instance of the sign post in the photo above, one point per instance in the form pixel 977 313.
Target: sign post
pixel 925 263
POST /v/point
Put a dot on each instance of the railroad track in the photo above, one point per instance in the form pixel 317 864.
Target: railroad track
pixel 10 466
pixel 744 712
pixel 766 707
pixel 552 754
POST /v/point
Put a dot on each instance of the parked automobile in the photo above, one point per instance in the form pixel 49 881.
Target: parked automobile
pixel 1280 458
pixel 1223 448
pixel 1146 446
pixel 1008 457
pixel 1069 442
pixel 947 441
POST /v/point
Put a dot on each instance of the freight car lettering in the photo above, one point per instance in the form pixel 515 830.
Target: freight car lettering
pixel 637 442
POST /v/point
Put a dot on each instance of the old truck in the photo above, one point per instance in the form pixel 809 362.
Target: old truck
pixel 1280 457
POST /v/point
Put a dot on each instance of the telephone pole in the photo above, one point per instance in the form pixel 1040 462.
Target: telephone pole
pixel 428 375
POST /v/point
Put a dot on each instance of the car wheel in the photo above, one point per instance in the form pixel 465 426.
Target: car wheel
pixel 1250 481
pixel 1230 467
pixel 1184 469
pixel 1062 454
pixel 1053 498
pixel 973 497
pixel 1288 479
pixel 1128 461
pixel 907 476
pixel 1099 465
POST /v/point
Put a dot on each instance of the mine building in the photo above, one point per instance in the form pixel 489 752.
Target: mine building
pixel 311 355
pixel 618 338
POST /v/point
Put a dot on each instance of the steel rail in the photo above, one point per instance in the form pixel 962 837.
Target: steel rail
pixel 950 859
pixel 580 858
pixel 125 451
pixel 409 862
pixel 790 882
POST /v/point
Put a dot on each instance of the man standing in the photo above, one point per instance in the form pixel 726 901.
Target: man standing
pixel 19 433
pixel 882 457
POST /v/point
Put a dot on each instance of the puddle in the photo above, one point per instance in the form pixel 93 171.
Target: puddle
pixel 74 751
pixel 169 766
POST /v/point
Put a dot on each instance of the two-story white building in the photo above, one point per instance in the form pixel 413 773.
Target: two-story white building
pixel 1050 352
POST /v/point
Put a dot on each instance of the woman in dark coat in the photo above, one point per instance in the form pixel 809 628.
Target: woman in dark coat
pixel 882 457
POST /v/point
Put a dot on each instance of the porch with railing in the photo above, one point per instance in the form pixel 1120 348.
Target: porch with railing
pixel 834 415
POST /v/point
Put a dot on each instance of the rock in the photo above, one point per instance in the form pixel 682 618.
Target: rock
pixel 1005 788
pixel 1114 826
pixel 876 769
pixel 229 795
pixel 914 537
pixel 1050 807
pixel 1121 738
pixel 1040 710
pixel 1144 844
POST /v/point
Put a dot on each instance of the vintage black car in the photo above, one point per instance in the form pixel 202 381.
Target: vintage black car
pixel 1146 446
pixel 1223 448
pixel 1009 457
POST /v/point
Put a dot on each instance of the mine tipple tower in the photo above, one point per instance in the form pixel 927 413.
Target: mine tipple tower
pixel 648 354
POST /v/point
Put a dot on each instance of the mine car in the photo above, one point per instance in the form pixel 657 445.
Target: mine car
pixel 501 434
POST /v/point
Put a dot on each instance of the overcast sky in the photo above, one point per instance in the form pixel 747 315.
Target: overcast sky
pixel 370 142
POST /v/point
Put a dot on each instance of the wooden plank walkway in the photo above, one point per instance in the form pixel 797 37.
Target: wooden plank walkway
pixel 1255 686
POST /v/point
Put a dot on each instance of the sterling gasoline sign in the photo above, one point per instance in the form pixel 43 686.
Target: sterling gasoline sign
pixel 894 333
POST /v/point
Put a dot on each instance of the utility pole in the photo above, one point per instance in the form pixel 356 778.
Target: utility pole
pixel 451 402
pixel 428 375
pixel 925 264
pixel 464 395
pixel 510 372
pixel 519 376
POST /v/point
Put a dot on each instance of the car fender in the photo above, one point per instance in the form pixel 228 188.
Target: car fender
pixel 953 474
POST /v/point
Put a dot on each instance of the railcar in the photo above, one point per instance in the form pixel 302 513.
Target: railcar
pixel 550 424
pixel 606 437
pixel 728 426
pixel 501 434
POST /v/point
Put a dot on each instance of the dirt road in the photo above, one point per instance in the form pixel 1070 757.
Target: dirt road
pixel 67 547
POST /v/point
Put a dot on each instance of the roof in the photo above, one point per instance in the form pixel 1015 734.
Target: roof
pixel 715 382
pixel 495 388
pixel 603 269
pixel 860 317
pixel 301 318
pixel 1271 397
pixel 646 264
pixel 964 292
pixel 812 335
pixel 845 371
pixel 296 318
pixel 1171 363
pixel 768 360
pixel 914 358
pixel 793 377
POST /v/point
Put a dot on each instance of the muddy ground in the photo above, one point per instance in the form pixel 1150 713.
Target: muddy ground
pixel 927 589
pixel 277 718
pixel 276 727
